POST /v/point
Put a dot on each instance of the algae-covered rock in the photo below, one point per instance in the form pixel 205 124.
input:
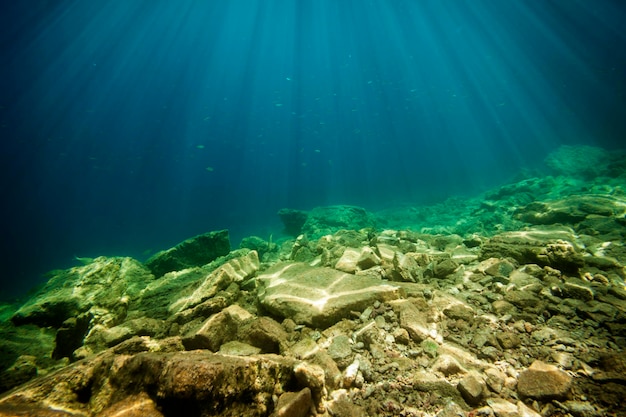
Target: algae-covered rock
pixel 327 220
pixel 196 251
pixel 293 220
pixel 579 161
pixel 107 284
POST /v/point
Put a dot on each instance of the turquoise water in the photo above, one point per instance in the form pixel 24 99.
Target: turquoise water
pixel 128 126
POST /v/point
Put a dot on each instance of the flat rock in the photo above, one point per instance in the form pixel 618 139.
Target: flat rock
pixel 545 246
pixel 195 251
pixel 318 296
pixel 543 381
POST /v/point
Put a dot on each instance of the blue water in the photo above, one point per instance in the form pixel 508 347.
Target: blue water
pixel 130 125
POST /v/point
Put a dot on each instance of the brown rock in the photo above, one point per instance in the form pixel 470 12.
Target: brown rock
pixel 133 406
pixel 542 381
pixel 471 388
pixel 294 404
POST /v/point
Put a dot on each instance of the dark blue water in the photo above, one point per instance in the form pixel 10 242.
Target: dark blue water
pixel 128 126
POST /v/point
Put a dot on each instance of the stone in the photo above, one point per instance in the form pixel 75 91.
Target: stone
pixel 553 246
pixel 405 268
pixel 196 251
pixel 328 220
pixel 503 408
pixel 340 350
pixel 413 321
pixel 447 365
pixel 106 284
pixel 294 404
pixel 472 389
pixel 496 267
pixel 320 296
pixel 264 333
pixel 217 329
pixel 22 370
pixel 348 261
pixel 140 405
pixel 574 288
pixel 367 258
pixel 182 382
pixel 313 377
pixel 238 349
pixel 293 220
pixel 542 381
pixel 508 340
pixel 234 271
pixel 459 311
pixel 445 268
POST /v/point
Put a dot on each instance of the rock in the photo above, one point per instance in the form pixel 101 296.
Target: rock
pixel 264 333
pixel 238 349
pixel 525 300
pixel 318 297
pixel 348 261
pixel 447 365
pixel 340 350
pixel 327 220
pixel 294 404
pixel 472 389
pixel 542 381
pixel 547 246
pixel 575 288
pixel 445 268
pixel 459 311
pixel 496 267
pixel 581 161
pixel 414 321
pixel 183 383
pixel 217 329
pixel 293 220
pixel 196 251
pixel 106 284
pixel 405 268
pixel 311 376
pixel 22 370
pixel 233 271
pixel 508 340
pixel 140 405
pixel 503 408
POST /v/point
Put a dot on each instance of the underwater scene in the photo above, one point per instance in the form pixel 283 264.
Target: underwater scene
pixel 313 208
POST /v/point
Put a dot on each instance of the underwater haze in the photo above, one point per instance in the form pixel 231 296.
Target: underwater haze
pixel 129 125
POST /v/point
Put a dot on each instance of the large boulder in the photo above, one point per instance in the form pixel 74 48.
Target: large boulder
pixel 196 251
pixel 328 220
pixel 158 383
pixel 106 287
pixel 316 296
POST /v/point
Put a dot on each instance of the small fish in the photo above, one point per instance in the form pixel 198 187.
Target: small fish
pixel 83 259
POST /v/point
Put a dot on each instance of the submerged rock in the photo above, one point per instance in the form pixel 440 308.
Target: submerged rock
pixel 196 251
pixel 316 296
pixel 327 220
